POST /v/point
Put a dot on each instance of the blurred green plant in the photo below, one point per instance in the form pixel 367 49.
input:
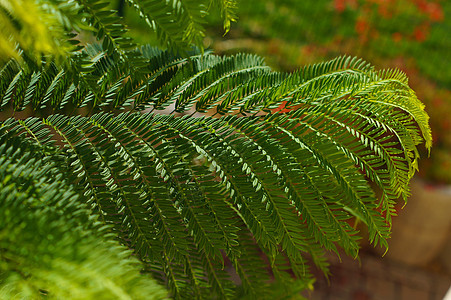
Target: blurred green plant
pixel 39 29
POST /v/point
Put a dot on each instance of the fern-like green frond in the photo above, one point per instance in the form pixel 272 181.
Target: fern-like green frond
pixel 209 174
pixel 282 175
pixel 152 79
pixel 50 28
pixel 51 244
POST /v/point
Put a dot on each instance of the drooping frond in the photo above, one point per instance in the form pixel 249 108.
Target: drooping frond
pixel 47 28
pixel 179 23
pixel 106 25
pixel 283 184
pixel 227 8
pixel 52 246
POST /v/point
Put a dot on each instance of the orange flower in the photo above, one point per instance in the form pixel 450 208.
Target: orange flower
pixel 384 11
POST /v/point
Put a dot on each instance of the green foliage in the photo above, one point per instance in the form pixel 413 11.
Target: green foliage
pixel 178 24
pixel 261 170
pixel 52 246
pixel 19 29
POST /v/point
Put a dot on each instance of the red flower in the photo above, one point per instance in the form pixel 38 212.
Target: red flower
pixel 420 33
pixel 432 9
pixel 435 12
pixel 437 102
pixel 397 37
pixel 384 11
pixel 339 5
pixel 422 5
pixel 282 108
pixel 361 26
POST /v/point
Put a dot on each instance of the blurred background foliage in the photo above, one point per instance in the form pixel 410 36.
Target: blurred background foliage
pixel 413 35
